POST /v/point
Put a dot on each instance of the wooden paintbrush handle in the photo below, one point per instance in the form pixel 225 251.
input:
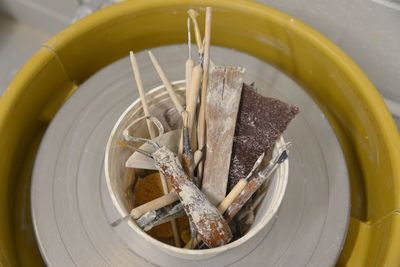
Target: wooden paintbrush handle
pixel 193 93
pixel 155 204
pixel 207 220
pixel 250 188
pixel 188 76
pixel 236 190
pixel 191 104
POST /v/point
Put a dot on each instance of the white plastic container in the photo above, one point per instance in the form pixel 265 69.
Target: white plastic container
pixel 115 172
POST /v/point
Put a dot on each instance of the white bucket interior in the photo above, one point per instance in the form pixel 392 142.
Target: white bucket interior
pixel 118 181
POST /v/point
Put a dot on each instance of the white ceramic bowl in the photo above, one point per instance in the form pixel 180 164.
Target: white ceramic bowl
pixel 115 172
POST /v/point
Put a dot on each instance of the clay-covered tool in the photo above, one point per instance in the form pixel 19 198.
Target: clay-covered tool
pixel 207 220
pixel 254 182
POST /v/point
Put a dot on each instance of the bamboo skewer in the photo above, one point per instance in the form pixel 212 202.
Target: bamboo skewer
pixel 166 83
pixel 202 113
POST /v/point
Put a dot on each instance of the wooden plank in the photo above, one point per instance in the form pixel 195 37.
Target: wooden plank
pixel 223 98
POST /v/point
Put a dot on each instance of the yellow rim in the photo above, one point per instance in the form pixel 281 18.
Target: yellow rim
pixel 362 123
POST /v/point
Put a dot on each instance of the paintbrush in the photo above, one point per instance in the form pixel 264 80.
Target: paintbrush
pixel 231 196
pixel 255 181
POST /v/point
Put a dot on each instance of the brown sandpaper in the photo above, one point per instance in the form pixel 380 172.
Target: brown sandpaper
pixel 260 122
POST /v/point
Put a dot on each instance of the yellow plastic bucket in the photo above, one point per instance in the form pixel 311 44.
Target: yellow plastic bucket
pixel 361 121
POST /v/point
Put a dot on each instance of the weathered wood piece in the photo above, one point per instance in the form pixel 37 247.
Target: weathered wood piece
pixel 223 98
pixel 207 220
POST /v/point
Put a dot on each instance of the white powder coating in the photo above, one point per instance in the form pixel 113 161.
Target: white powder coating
pixel 208 221
pixel 223 99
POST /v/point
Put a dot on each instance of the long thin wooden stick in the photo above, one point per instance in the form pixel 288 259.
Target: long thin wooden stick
pixel 202 113
pixel 166 83
pixel 135 69
pixel 139 85
pixel 191 104
pixel 189 64
pixel 155 204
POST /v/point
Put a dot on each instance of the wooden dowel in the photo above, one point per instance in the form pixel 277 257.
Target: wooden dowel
pixel 188 76
pixel 166 83
pixel 139 85
pixel 175 232
pixel 232 195
pixel 154 204
pixel 189 63
pixel 191 103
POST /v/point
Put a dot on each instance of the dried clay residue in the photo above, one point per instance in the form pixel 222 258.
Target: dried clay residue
pixel 203 213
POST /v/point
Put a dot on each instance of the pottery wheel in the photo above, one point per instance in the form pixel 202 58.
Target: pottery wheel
pixel 72 209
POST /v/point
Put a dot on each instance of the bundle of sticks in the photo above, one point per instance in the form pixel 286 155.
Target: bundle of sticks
pixel 216 168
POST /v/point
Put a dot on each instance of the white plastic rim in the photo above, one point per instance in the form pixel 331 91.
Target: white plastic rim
pixel 264 218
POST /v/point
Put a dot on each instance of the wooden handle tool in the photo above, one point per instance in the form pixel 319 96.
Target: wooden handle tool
pixel 154 204
pixel 207 220
pixel 254 182
pixel 231 196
